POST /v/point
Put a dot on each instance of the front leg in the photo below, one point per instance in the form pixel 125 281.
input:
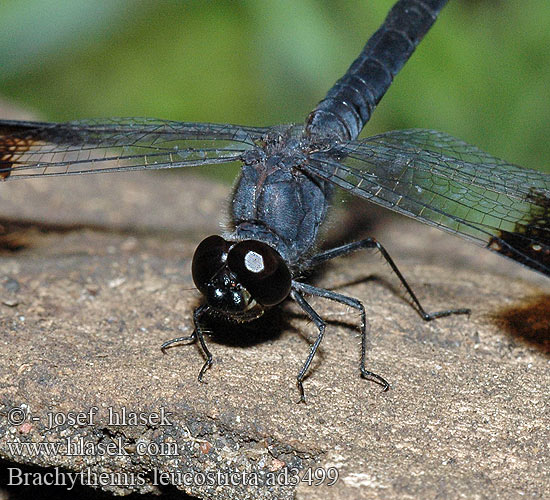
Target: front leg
pixel 198 333
pixel 343 299
pixel 321 325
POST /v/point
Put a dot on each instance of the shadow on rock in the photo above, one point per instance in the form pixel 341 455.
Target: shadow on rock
pixel 268 327
pixel 528 321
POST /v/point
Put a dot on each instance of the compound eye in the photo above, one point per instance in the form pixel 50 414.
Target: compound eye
pixel 261 270
pixel 208 259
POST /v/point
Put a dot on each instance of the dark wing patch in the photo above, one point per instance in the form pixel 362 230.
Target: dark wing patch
pixel 530 242
pixel 14 143
pixel 31 149
pixel 442 181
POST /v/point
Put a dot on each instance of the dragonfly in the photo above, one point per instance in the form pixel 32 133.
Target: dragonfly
pixel 288 178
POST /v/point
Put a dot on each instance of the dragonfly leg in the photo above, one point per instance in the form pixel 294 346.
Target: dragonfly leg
pixel 198 333
pixel 373 243
pixel 320 324
pixel 343 299
pixel 177 340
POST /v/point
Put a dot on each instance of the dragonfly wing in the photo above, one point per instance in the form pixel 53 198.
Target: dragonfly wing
pixel 32 149
pixel 445 182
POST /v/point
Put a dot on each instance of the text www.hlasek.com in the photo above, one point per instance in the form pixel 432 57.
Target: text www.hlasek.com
pixel 88 477
pixel 81 447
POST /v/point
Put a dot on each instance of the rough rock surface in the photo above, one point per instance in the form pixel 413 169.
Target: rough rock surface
pixel 95 275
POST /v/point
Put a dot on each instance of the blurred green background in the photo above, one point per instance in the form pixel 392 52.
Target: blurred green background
pixel 481 74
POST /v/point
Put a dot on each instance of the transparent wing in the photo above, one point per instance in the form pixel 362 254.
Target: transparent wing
pixel 443 181
pixel 31 149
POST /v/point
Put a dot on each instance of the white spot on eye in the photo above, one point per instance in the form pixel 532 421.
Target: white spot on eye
pixel 254 262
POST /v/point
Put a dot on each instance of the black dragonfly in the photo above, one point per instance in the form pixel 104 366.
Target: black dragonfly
pixel 289 173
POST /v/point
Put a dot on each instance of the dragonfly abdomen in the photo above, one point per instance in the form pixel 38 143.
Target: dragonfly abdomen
pixel 350 102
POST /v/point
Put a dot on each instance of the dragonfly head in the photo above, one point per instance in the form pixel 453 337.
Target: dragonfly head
pixel 240 279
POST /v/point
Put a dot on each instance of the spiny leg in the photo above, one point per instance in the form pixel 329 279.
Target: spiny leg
pixel 320 324
pixel 356 304
pixel 177 340
pixel 373 243
pixel 197 334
